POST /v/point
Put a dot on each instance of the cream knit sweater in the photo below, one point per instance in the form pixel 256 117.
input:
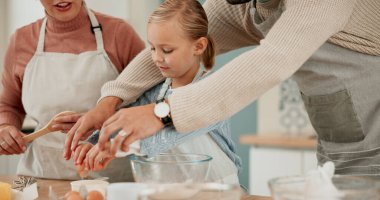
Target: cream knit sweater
pixel 303 27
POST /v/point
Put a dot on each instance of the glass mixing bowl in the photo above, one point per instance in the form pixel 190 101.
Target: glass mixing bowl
pixel 171 168
pixel 350 188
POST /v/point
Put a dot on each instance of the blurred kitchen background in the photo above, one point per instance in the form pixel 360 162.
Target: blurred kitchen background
pixel 274 130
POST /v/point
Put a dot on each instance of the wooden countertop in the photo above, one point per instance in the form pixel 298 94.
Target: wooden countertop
pixel 61 187
pixel 279 141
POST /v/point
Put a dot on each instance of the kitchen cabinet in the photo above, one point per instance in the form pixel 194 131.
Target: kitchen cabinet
pixel 275 156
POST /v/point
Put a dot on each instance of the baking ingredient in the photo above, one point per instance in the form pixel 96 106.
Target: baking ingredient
pixel 94 195
pixel 73 195
pixel 5 191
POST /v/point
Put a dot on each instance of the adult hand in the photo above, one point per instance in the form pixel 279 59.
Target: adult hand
pixel 11 141
pixel 136 123
pixel 65 122
pixel 89 122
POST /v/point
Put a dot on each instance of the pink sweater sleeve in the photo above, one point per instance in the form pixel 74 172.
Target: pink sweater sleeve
pixel 11 109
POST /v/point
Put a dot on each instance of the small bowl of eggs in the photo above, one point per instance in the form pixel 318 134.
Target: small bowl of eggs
pixel 90 186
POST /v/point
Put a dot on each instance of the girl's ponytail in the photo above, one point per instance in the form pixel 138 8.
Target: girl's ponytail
pixel 208 57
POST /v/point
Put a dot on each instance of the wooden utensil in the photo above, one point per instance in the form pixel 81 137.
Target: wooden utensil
pixel 48 128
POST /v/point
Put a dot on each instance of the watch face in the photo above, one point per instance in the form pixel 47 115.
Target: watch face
pixel 161 109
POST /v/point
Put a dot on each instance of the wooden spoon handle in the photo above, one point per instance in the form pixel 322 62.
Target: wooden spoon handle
pixel 46 129
pixel 34 135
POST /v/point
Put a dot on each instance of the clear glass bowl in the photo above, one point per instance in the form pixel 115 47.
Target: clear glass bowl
pixel 171 168
pixel 350 188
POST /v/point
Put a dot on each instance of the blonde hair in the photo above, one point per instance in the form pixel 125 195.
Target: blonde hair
pixel 192 19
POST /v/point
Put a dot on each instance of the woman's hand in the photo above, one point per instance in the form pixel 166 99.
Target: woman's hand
pixel 136 123
pixel 89 122
pixel 65 122
pixel 11 140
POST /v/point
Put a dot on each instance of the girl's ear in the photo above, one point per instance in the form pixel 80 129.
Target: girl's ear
pixel 200 46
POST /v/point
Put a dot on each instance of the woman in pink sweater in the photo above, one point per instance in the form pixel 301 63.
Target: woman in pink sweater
pixel 55 64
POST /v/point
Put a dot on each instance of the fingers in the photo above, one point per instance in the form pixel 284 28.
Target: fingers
pixel 17 137
pixel 77 152
pixel 118 141
pixel 108 129
pixel 11 141
pixel 3 150
pixel 80 134
pixel 69 139
pixel 5 144
pixel 90 157
pixel 128 141
pixel 96 159
pixel 80 153
pixel 65 122
pixel 63 127
pixel 10 145
pixel 102 160
pixel 99 162
pixel 68 118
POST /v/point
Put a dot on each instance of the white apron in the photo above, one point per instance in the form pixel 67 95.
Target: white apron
pixel 55 82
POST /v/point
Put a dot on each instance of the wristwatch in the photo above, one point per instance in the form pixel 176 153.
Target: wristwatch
pixel 162 111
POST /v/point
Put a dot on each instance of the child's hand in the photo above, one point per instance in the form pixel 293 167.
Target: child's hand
pixel 98 160
pixel 79 156
pixel 81 152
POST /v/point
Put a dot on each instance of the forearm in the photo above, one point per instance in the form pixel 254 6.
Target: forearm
pixel 110 103
pixel 140 75
pixel 290 42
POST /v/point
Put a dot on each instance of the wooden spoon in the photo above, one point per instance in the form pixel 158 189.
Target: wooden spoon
pixel 48 128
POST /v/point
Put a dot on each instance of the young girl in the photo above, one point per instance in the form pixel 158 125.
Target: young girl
pixel 178 37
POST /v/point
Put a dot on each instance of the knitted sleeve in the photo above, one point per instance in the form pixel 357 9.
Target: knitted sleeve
pixel 302 28
pixel 140 75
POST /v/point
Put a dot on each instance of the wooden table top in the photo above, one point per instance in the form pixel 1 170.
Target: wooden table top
pixel 61 187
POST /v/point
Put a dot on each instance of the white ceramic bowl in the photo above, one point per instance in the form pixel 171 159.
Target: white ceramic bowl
pixel 192 192
pixel 90 185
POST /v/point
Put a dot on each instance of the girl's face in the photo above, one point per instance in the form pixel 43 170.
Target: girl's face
pixel 62 10
pixel 175 54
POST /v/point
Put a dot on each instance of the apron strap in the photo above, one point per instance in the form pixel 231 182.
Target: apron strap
pixel 96 28
pixel 41 39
